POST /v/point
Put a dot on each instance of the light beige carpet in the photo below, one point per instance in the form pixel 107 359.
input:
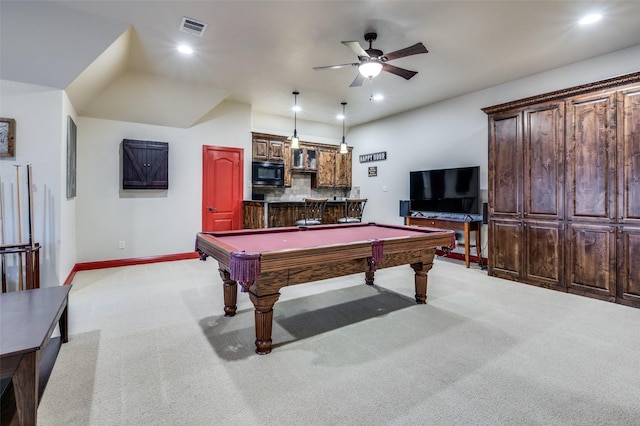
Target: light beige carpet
pixel 149 345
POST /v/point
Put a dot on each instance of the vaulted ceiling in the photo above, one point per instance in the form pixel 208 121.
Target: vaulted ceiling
pixel 118 59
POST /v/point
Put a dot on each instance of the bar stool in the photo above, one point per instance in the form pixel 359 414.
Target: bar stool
pixel 353 209
pixel 313 211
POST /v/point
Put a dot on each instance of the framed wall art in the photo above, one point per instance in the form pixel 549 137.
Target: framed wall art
pixel 71 157
pixel 7 137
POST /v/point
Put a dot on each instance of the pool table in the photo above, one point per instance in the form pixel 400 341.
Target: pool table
pixel 262 261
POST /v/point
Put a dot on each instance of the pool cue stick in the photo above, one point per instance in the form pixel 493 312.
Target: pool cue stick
pixel 31 267
pixel 30 195
pixel 2 258
pixel 20 278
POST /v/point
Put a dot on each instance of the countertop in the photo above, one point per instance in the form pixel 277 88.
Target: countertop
pixel 290 202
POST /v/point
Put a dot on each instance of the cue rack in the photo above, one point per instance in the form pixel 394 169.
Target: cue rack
pixel 23 255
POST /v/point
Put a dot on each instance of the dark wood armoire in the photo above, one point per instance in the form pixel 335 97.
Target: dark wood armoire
pixel 564 190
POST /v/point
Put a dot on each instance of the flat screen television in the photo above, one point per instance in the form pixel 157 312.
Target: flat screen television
pixel 455 190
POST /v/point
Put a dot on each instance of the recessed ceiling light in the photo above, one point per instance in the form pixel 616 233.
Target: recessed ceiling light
pixel 183 48
pixel 377 97
pixel 590 19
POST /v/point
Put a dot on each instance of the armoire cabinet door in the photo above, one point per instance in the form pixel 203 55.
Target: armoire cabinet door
pixel 543 194
pixel 629 158
pixel 505 242
pixel 505 165
pixel 629 265
pixel 591 260
pixel 544 253
pixel 590 158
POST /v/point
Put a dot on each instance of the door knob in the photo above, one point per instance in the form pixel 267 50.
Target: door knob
pixel 211 209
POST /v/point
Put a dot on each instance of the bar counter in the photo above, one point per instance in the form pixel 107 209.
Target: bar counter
pixel 274 214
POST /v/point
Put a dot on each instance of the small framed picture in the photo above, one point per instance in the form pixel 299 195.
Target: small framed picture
pixel 7 137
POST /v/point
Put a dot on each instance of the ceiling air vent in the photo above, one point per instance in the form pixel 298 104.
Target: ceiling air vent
pixel 192 26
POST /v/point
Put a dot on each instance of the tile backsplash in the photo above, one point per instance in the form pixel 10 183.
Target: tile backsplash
pixel 301 189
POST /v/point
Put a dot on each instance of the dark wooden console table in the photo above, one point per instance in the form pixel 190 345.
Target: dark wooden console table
pixel 27 350
pixel 456 224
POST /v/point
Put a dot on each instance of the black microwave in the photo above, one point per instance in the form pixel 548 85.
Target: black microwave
pixel 267 173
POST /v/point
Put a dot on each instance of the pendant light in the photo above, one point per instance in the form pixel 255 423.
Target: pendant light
pixel 343 145
pixel 295 141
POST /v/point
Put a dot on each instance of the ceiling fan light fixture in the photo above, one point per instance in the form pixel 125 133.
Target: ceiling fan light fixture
pixel 370 69
pixel 590 19
pixel 295 141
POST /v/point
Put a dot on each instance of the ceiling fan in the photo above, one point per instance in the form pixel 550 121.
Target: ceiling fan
pixel 373 61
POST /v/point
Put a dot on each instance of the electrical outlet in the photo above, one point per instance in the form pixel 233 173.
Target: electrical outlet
pixel 385 188
pixel 121 244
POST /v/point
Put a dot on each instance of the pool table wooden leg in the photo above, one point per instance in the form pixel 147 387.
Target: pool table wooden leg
pixel 263 320
pixel 369 277
pixel 230 293
pixel 421 269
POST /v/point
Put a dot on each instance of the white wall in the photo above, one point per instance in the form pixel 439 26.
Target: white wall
pixel 454 132
pixel 308 131
pixel 89 227
pixel 67 248
pixel 149 222
pixel 40 141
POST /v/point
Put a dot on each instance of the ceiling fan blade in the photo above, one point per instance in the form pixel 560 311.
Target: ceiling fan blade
pixel 406 74
pixel 358 81
pixel 335 67
pixel 356 48
pixel 407 51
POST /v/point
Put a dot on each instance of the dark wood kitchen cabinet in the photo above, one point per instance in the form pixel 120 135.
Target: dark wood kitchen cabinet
pixel 334 168
pixel 145 164
pixel 304 159
pixel 564 190
pixel 268 147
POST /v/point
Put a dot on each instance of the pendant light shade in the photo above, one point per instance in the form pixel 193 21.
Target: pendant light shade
pixel 295 141
pixel 343 145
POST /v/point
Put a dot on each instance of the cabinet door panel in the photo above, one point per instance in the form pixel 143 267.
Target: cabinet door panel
pixel 260 149
pixel 505 165
pixel 157 165
pixel 276 152
pixel 343 170
pixel 590 158
pixel 591 263
pixel 326 168
pixel 629 159
pixel 505 248
pixel 544 161
pixel 133 164
pixel 287 157
pixel 544 253
pixel 629 266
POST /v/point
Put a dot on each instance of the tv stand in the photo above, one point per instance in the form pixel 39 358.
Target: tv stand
pixel 456 224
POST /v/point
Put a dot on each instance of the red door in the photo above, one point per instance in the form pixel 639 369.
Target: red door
pixel 222 184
